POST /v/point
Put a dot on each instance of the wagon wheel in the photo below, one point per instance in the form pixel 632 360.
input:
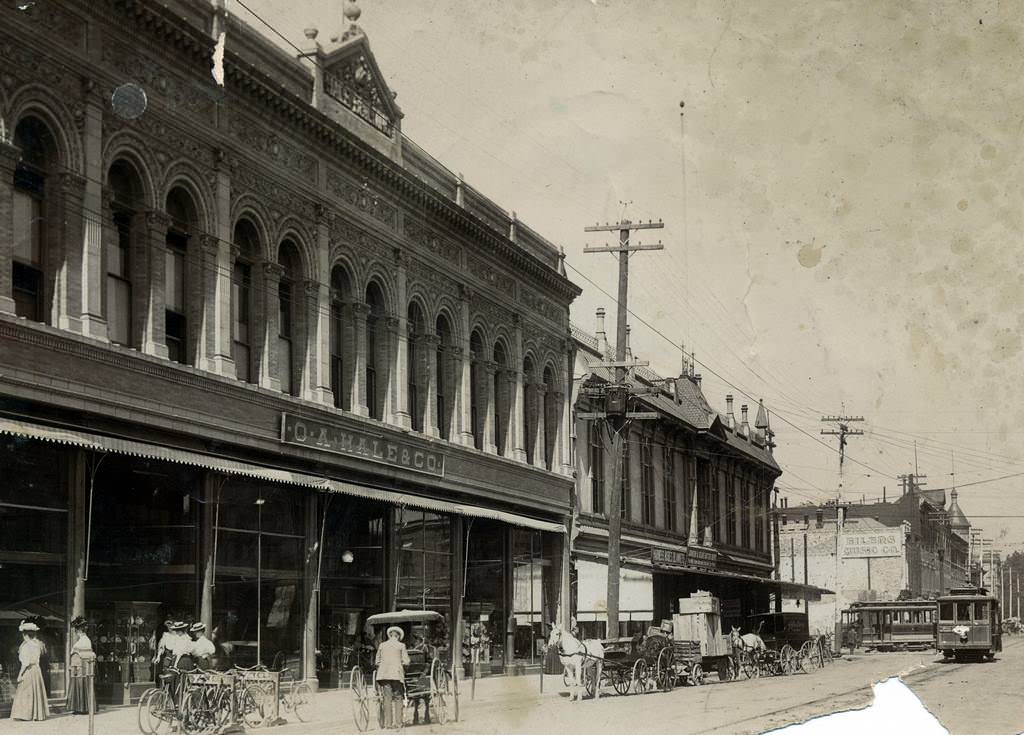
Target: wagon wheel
pixel 621 679
pixel 360 699
pixel 826 650
pixel 749 665
pixel 588 677
pixel 810 656
pixel 664 672
pixel 726 669
pixel 440 690
pixel 787 660
pixel 641 674
pixel 696 677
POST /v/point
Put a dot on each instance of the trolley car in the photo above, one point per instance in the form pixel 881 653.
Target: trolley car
pixel 889 626
pixel 970 625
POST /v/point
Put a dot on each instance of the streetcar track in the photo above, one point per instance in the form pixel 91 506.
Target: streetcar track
pixel 925 673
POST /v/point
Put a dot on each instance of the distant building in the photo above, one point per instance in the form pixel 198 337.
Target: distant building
pixel 673 543
pixel 907 547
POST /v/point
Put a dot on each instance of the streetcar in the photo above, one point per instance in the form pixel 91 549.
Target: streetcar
pixel 885 625
pixel 970 626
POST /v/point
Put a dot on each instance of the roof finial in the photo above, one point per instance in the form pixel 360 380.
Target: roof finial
pixel 351 12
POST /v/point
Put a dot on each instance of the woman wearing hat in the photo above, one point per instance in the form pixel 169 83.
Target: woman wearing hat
pixel 202 650
pixel 30 698
pixel 392 658
pixel 81 652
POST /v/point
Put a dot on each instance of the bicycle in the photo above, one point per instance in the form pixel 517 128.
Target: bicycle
pixel 160 706
pixel 295 696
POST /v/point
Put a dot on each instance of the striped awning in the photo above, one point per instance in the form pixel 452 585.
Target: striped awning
pixel 117 445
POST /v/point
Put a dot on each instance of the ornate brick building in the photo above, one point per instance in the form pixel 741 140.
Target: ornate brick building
pixel 263 361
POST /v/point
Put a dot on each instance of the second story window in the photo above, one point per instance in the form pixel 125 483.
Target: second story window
pixel 646 483
pixel 730 510
pixel 596 457
pixel 476 379
pixel 242 296
pixel 183 222
pixel 126 193
pixel 445 376
pixel 746 516
pixel 38 155
pixel 416 367
pixel 288 259
pixel 625 500
pixel 669 487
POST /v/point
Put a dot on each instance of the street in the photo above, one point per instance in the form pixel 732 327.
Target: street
pixel 967 698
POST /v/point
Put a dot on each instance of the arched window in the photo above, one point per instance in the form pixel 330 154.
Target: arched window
pixel 550 417
pixel 183 224
pixel 126 195
pixel 415 366
pixel 341 290
pixel 476 380
pixel 500 398
pixel 287 297
pixel 242 301
pixel 38 156
pixel 529 417
pixel 445 372
pixel 376 351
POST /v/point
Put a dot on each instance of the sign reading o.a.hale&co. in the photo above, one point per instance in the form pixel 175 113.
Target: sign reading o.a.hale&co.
pixel 318 435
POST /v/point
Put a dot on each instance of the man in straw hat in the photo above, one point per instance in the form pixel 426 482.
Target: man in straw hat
pixel 392 658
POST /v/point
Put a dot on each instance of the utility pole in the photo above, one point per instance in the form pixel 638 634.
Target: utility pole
pixel 844 430
pixel 619 418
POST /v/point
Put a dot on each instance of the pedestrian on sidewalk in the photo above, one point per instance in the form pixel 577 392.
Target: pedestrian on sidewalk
pixel 202 650
pixel 30 697
pixel 392 658
pixel 81 654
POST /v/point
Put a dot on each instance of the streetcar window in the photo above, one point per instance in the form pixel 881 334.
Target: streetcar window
pixel 980 610
pixel 963 612
pixel 945 611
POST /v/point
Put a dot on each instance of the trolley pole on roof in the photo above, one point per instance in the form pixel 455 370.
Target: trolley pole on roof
pixel 618 418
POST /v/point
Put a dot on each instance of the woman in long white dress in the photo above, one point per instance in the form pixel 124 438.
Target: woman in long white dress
pixel 30 697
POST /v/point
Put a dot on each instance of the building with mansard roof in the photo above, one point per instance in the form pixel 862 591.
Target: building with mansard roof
pixel 264 362
pixel 696 492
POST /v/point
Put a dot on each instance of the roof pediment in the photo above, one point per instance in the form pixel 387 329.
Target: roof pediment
pixel 353 78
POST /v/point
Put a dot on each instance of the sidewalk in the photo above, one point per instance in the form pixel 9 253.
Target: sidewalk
pixel 330 711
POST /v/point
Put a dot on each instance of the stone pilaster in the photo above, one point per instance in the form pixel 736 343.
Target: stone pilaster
pixel 96 217
pixel 401 415
pixel 390 411
pixel 360 311
pixel 517 440
pixel 215 343
pixel 489 406
pixel 540 438
pixel 9 157
pixel 316 375
pixel 268 359
pixel 430 373
pixel 65 247
pixel 149 232
pixel 465 427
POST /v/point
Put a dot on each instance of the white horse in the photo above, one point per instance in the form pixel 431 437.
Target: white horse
pixel 746 641
pixel 576 657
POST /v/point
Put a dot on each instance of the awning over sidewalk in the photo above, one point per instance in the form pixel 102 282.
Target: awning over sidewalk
pixel 100 443
pixel 789 589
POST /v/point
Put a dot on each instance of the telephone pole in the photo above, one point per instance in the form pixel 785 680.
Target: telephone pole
pixel 619 418
pixel 842 432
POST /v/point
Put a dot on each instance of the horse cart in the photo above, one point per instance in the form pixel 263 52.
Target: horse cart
pixel 638 664
pixel 781 646
pixel 698 644
pixel 429 678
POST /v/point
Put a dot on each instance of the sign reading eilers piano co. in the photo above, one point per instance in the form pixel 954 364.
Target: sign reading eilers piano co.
pixel 307 433
pixel 874 544
pixel 693 557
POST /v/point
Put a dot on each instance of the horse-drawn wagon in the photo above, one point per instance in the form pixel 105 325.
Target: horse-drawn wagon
pixel 699 646
pixel 429 678
pixel 781 645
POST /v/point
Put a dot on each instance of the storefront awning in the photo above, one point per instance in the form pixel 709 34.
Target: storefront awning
pixel 100 443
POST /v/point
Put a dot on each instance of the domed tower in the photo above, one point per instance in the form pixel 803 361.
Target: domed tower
pixel 957 520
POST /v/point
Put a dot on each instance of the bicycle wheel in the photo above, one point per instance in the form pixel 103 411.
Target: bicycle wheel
pixel 251 706
pixel 159 713
pixel 143 713
pixel 301 698
pixel 640 676
pixel 196 712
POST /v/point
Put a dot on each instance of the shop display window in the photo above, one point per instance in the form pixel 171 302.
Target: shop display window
pixel 531 593
pixel 351 584
pixel 33 552
pixel 484 612
pixel 260 570
pixel 424 560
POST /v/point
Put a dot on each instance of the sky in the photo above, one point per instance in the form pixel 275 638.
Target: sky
pixel 842 201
